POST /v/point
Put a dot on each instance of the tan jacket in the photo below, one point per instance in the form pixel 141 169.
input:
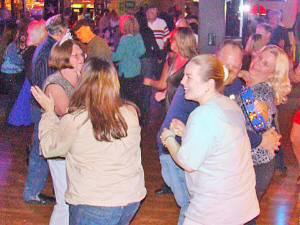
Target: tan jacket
pixel 99 173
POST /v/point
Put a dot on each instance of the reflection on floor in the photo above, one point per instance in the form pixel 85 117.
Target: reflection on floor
pixel 280 206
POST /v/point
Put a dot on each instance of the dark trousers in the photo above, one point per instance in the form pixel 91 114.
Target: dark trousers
pixel 38 168
pixel 11 85
pixel 131 89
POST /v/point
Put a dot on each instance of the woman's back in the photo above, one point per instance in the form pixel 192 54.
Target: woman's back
pixel 104 173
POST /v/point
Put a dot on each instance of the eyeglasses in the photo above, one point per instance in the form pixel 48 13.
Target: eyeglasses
pixel 83 55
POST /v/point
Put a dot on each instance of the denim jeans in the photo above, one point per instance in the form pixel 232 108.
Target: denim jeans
pixel 174 177
pixel 38 167
pixel 99 215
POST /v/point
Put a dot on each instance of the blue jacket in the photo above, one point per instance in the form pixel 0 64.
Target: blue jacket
pixel 130 49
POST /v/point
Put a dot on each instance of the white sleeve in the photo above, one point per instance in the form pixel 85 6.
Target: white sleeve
pixel 199 138
pixel 56 136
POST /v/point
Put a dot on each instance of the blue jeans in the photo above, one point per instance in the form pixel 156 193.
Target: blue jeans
pixel 99 215
pixel 174 177
pixel 38 167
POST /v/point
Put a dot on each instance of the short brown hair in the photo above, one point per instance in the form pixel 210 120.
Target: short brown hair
pixel 60 55
pixel 129 25
pixel 80 23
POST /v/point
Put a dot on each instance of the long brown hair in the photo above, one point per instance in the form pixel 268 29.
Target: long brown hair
pixel 99 94
pixel 186 42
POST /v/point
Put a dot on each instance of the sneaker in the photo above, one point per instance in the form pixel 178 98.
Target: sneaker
pixel 163 190
pixel 41 199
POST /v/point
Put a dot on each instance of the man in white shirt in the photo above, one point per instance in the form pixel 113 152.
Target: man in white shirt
pixel 158 26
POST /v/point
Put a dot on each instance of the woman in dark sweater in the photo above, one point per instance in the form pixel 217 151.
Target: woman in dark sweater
pixel 148 61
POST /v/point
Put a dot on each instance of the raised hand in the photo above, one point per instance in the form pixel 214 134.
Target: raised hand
pixel 178 127
pixel 47 103
pixel 262 108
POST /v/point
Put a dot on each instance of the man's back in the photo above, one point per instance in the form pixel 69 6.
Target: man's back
pixel 40 68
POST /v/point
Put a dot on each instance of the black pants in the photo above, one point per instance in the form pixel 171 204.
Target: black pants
pixel 11 85
pixel 131 89
pixel 263 173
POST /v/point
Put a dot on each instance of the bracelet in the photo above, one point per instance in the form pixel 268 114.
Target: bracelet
pixel 165 140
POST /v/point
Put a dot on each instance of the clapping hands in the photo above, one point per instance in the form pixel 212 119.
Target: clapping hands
pixel 47 103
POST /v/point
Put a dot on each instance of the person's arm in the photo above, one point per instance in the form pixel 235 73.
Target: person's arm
pixel 141 47
pixel 295 74
pixel 179 109
pixel 166 32
pixel 61 100
pixel 295 138
pixel 56 136
pixel 162 82
pixel 120 53
pixel 169 141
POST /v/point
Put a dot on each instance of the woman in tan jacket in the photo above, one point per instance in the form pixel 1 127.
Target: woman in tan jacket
pixel 100 138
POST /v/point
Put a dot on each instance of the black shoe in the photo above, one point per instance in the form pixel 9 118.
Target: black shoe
pixel 41 199
pixel 163 190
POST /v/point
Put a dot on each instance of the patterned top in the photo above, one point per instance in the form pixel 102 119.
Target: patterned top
pixel 57 78
pixel 13 61
pixel 160 30
pixel 264 93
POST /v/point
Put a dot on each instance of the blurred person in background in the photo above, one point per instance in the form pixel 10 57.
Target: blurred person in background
pixel 131 48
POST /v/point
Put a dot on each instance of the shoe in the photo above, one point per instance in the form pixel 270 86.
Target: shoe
pixel 163 190
pixel 41 199
pixel 298 180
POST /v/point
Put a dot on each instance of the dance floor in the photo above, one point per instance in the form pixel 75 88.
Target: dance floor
pixel 280 205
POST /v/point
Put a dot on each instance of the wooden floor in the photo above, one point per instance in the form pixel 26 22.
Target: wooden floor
pixel 280 206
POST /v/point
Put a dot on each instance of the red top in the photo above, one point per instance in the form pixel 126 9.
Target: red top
pixel 296 118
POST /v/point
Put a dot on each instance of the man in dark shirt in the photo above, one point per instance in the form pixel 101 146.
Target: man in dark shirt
pixel 38 167
pixel 279 35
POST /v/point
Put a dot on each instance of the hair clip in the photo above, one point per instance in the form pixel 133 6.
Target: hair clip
pixel 226 73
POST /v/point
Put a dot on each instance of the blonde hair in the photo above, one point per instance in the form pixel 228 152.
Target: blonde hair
pixel 129 25
pixel 209 67
pixel 280 82
pixel 185 42
pixel 37 29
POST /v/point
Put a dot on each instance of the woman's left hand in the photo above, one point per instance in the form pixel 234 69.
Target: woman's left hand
pixel 178 127
pixel 262 108
pixel 47 103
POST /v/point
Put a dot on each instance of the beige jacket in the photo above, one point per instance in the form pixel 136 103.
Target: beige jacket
pixel 99 173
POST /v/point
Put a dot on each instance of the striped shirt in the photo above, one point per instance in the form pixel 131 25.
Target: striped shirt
pixel 40 67
pixel 160 30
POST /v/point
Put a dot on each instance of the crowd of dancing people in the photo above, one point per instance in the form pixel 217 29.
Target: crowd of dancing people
pixel 87 88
